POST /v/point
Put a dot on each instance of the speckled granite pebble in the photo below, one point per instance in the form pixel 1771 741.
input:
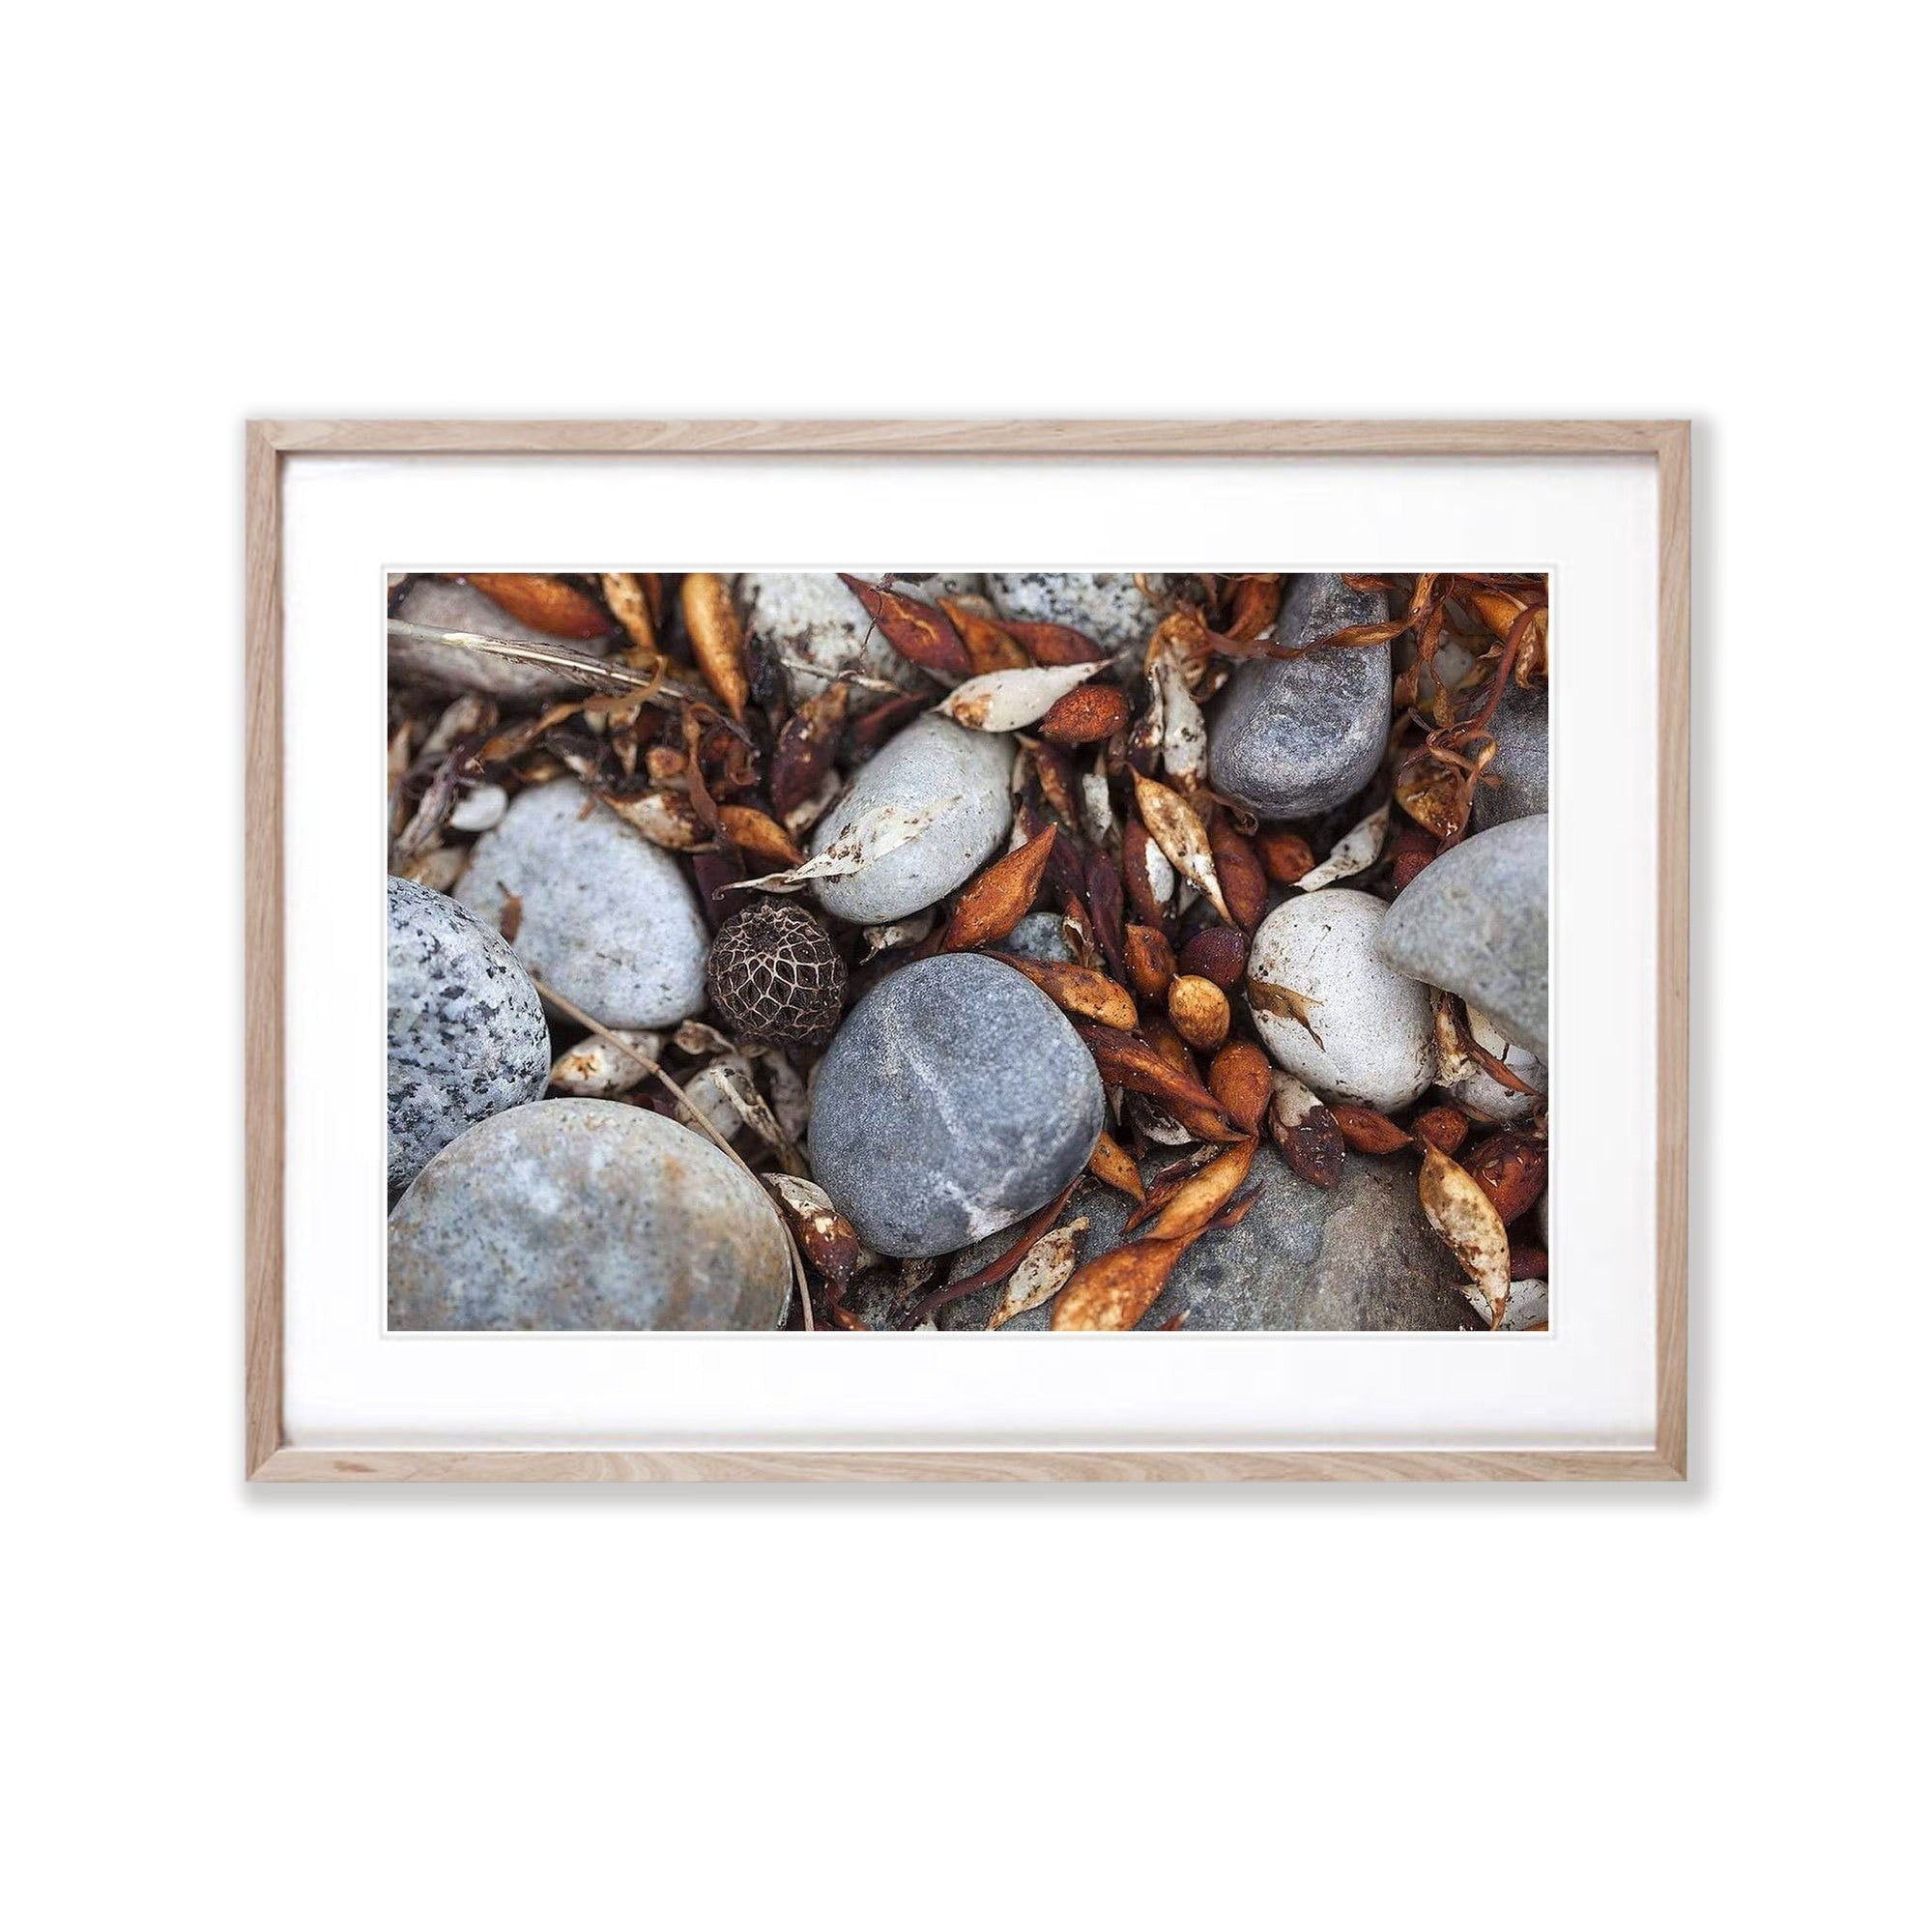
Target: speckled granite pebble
pixel 932 758
pixel 955 1100
pixel 811 617
pixel 1291 739
pixel 584 1214
pixel 1107 606
pixel 451 605
pixel 608 918
pixel 1370 1034
pixel 467 1037
pixel 1476 922
pixel 1041 936
pixel 1359 1255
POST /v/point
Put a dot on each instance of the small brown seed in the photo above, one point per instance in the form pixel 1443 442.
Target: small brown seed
pixel 1150 962
pixel 1198 1009
pixel 1085 714
pixel 1285 855
pixel 1218 953
pixel 1444 1127
pixel 1243 883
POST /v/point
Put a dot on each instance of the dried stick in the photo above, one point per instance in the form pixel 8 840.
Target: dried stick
pixel 598 673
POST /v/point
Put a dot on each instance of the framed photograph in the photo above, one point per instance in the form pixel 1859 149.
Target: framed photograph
pixel 858 951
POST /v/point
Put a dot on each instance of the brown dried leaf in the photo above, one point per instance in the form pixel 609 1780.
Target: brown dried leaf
pixel 988 646
pixel 625 592
pixel 1305 1133
pixel 1242 882
pixel 1008 701
pixel 1099 879
pixel 1367 1130
pixel 762 838
pixel 1079 990
pixel 1125 1061
pixel 1001 897
pixel 545 603
pixel 1048 1267
pixel 1050 645
pixel 1510 1168
pixel 882 830
pixel 1286 856
pixel 1146 875
pixel 918 632
pixel 1242 1080
pixel 1282 1002
pixel 806 748
pixel 1111 1163
pixel 830 1241
pixel 1149 960
pixel 1176 828
pixel 1202 1197
pixel 1084 715
pixel 1256 603
pixel 1115 1290
pixel 717 638
pixel 1183 729
pixel 667 818
pixel 509 921
pixel 1463 1215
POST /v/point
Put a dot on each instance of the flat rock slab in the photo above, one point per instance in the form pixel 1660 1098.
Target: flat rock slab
pixel 931 759
pixel 1291 739
pixel 467 1036
pixel 586 1214
pixel 608 919
pixel 1476 922
pixel 1360 1255
pixel 955 1100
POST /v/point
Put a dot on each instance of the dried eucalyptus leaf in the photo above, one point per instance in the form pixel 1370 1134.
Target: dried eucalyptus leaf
pixel 1047 1269
pixel 1183 729
pixel 1176 828
pixel 1354 852
pixel 1462 1214
pixel 1006 701
pixel 880 831
pixel 597 1070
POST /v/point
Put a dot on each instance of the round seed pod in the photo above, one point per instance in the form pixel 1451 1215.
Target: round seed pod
pixel 776 975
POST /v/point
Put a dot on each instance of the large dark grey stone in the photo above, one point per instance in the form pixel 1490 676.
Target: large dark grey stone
pixel 1521 765
pixel 467 1036
pixel 576 1214
pixel 955 1100
pixel 1291 739
pixel 1359 1255
pixel 1476 922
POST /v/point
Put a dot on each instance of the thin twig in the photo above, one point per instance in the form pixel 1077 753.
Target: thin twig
pixel 644 1060
pixel 597 673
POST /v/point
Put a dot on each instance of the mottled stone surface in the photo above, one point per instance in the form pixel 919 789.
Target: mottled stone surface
pixel 955 1100
pixel 1042 936
pixel 1476 922
pixel 608 918
pixel 1360 1255
pixel 451 605
pixel 1521 765
pixel 584 1214
pixel 811 617
pixel 1486 1096
pixel 1291 739
pixel 1107 606
pixel 467 1036
pixel 931 760
pixel 1371 1035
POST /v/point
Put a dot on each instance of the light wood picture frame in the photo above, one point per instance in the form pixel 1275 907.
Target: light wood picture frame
pixel 270 1458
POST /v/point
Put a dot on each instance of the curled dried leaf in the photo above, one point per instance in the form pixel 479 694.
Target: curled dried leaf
pixel 1242 1078
pixel 1305 1133
pixel 667 818
pixel 829 1240
pixel 802 762
pixel 1255 601
pixel 1204 1194
pixel 1047 1268
pixel 760 837
pixel 988 646
pixel 600 1069
pixel 1077 990
pixel 1008 701
pixel 1242 882
pixel 1149 960
pixel 630 604
pixel 1183 729
pixel 1463 1215
pixel 918 632
pixel 1085 716
pixel 1053 645
pixel 1141 1068
pixel 882 831
pixel 1001 897
pixel 1355 852
pixel 1111 1163
pixel 1510 1168
pixel 1146 876
pixel 547 605
pixel 1283 1003
pixel 1367 1130
pixel 717 638
pixel 1115 1290
pixel 1176 828
pixel 1096 804
pixel 886 939
pixel 1099 880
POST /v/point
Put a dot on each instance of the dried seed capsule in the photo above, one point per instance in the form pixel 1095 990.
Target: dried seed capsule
pixel 1198 1009
pixel 776 975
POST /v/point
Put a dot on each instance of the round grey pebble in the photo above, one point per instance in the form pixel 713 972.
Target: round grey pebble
pixel 1291 739
pixel 1107 606
pixel 445 603
pixel 584 1214
pixel 467 1036
pixel 608 919
pixel 955 1100
pixel 1521 764
pixel 931 759
pixel 1476 922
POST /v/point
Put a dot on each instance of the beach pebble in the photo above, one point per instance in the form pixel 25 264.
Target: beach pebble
pixel 1476 922
pixel 933 759
pixel 1108 607
pixel 810 616
pixel 1527 1308
pixel 1358 1255
pixel 1369 1035
pixel 450 604
pixel 1521 764
pixel 608 919
pixel 479 808
pixel 467 1035
pixel 1291 739
pixel 955 1100
pixel 1041 936
pixel 1486 1096
pixel 584 1214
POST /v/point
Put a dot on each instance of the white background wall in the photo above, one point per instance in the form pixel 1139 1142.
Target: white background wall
pixel 934 1710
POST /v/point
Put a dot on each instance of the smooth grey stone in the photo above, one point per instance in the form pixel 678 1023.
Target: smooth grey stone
pixel 811 618
pixel 467 1035
pixel 956 1099
pixel 1291 739
pixel 586 1214
pixel 1476 922
pixel 933 759
pixel 1521 765
pixel 1358 1255
pixel 1041 936
pixel 609 919
pixel 1107 606
pixel 451 605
